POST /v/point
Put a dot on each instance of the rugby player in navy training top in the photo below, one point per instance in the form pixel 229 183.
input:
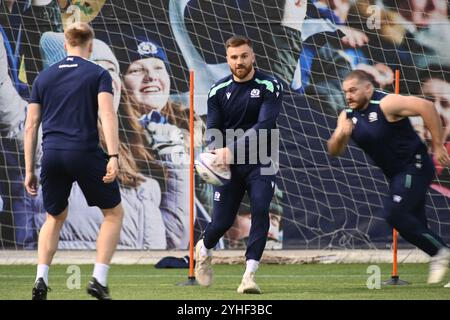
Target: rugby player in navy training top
pixel 68 97
pixel 378 123
pixel 248 101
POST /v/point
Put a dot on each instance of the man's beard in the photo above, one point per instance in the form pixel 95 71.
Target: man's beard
pixel 244 72
pixel 360 103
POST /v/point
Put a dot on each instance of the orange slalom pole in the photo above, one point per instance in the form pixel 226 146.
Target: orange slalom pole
pixel 395 233
pixel 397 81
pixel 395 280
pixel 394 245
pixel 191 175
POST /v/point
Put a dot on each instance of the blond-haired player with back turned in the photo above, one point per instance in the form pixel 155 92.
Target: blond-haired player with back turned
pixel 68 97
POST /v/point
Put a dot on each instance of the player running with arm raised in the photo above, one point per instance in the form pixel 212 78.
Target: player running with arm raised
pixel 378 123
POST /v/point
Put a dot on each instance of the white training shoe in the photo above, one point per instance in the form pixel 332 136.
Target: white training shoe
pixel 248 285
pixel 447 285
pixel 203 268
pixel 439 265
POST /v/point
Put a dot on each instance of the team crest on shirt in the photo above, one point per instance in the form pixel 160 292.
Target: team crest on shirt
pixel 373 116
pixel 397 198
pixel 217 196
pixel 228 95
pixel 254 93
pixel 354 120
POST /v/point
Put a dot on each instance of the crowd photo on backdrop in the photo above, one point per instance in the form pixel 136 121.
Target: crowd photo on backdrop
pixel 262 148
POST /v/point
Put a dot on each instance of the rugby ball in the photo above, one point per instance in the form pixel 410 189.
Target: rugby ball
pixel 204 168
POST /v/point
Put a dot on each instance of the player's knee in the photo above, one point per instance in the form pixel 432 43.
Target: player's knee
pixel 115 213
pixel 260 211
pixel 262 223
pixel 226 226
pixel 260 204
pixel 221 226
pixel 57 219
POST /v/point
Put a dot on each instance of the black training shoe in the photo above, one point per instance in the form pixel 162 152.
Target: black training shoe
pixel 98 291
pixel 40 290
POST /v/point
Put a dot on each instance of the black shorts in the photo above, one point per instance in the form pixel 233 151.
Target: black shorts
pixel 61 168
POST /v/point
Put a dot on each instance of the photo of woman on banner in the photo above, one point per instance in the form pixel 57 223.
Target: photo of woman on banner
pixel 166 122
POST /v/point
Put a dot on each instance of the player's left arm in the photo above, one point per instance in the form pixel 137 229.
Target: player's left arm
pixel 270 108
pixel 32 124
pixel 396 107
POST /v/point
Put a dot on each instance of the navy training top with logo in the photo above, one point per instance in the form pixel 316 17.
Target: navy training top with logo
pixel 253 104
pixel 391 145
pixel 67 92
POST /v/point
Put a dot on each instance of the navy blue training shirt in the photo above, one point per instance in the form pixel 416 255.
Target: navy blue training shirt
pixel 254 104
pixel 67 92
pixel 391 145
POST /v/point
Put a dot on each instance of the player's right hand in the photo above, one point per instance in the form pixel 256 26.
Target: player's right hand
pixel 31 184
pixel 112 169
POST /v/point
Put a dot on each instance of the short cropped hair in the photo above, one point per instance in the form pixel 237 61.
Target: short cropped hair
pixel 360 75
pixel 237 41
pixel 78 34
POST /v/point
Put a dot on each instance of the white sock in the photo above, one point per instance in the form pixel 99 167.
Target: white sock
pixel 205 251
pixel 101 273
pixel 42 272
pixel 252 266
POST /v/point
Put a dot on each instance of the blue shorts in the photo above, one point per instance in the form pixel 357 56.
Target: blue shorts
pixel 408 189
pixel 61 168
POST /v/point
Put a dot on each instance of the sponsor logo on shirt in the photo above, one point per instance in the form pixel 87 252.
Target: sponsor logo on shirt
pixel 74 65
pixel 396 198
pixel 254 93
